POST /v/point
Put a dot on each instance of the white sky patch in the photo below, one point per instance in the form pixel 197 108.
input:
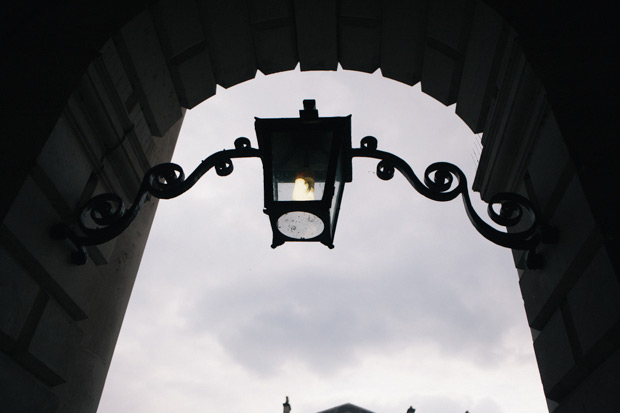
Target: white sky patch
pixel 412 307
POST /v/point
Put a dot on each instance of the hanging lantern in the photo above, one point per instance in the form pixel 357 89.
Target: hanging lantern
pixel 306 163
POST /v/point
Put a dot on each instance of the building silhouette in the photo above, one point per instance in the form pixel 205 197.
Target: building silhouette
pixel 93 94
pixel 346 408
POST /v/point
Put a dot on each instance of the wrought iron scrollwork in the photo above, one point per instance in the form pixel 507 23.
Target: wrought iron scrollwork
pixel 444 182
pixel 105 216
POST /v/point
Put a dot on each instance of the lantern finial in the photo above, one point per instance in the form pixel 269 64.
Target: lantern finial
pixel 309 112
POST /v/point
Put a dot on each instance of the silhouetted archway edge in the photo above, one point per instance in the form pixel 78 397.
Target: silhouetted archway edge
pixel 571 50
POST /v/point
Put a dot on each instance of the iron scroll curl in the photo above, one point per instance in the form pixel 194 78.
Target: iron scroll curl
pixel 105 216
pixel 444 181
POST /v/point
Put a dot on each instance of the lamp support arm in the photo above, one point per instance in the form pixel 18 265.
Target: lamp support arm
pixel 444 181
pixel 164 181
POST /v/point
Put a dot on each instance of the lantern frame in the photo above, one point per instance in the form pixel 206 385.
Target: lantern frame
pixel 338 169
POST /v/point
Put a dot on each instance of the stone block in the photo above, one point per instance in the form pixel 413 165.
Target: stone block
pixel 446 38
pixel 146 68
pixel 480 67
pixel 548 162
pixel 273 26
pixel 448 22
pixel 182 38
pixel 18 292
pixel 197 82
pixel 553 352
pixel 181 27
pixel 359 35
pixel 594 301
pixel 65 163
pixel 229 40
pixel 28 227
pixel 265 11
pixel 21 392
pixel 511 125
pixel 276 49
pixel 317 34
pixel 56 339
pixel 402 43
pixel 440 73
pixel 564 260
pixel 116 71
pixel 598 393
pixel 141 128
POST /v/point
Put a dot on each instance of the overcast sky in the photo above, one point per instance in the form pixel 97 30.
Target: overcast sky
pixel 411 307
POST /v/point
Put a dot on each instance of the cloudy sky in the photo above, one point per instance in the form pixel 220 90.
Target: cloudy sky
pixel 412 307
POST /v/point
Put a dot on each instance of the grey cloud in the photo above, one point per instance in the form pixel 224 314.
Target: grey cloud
pixel 406 273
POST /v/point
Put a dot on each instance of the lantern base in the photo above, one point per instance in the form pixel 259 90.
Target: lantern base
pixel 300 225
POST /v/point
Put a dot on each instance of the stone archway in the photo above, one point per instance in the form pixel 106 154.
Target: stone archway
pixel 171 55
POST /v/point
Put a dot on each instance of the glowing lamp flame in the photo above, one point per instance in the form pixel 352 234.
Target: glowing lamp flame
pixel 303 190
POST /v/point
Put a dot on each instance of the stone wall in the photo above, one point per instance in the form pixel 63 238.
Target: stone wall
pixel 59 322
pixel 94 94
pixel 573 302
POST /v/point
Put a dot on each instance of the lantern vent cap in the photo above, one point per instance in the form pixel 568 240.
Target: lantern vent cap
pixel 309 112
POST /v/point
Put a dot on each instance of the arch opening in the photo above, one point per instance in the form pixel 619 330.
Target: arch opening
pixel 522 139
pixel 399 288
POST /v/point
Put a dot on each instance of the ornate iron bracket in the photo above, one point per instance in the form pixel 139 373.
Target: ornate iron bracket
pixel 515 212
pixel 165 181
pixel 442 182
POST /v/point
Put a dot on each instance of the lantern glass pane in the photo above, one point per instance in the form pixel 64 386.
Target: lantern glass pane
pixel 300 162
pixel 300 225
pixel 338 188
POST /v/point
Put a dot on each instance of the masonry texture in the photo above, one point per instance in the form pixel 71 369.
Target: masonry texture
pixel 93 95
